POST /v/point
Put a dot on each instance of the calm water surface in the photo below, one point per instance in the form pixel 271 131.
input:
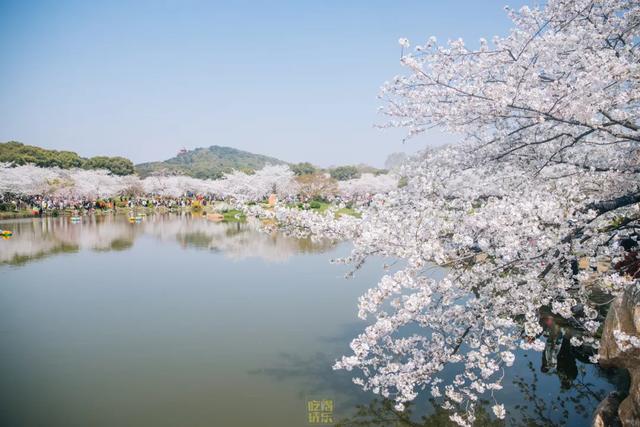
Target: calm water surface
pixel 176 321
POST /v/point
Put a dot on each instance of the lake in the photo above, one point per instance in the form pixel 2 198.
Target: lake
pixel 178 321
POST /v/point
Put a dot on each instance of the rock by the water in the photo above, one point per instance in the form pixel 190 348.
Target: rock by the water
pixel 606 414
pixel 624 316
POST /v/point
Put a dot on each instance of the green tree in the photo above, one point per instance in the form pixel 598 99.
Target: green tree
pixel 20 154
pixel 344 173
pixel 116 165
pixel 304 168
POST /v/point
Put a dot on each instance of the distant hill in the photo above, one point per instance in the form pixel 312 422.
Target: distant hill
pixel 18 153
pixel 210 162
pixel 395 160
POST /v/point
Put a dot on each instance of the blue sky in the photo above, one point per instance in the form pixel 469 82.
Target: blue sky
pixel 295 80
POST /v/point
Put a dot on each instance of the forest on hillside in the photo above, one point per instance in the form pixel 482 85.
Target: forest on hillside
pixel 18 153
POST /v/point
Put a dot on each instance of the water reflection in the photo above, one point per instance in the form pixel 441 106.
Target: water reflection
pixel 580 385
pixel 539 404
pixel 561 389
pixel 134 330
pixel 381 413
pixel 35 239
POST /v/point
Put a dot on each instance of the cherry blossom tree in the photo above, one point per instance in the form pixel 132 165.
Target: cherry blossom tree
pixel 174 185
pixel 317 185
pixel 28 180
pixel 278 179
pixel 367 185
pixel 259 185
pixel 92 184
pixel 546 177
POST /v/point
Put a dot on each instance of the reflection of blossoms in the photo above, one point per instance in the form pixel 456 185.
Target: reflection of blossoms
pixel 48 236
pixel 236 241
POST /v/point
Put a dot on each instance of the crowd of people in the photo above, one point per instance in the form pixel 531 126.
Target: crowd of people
pixel 45 205
pixel 51 205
